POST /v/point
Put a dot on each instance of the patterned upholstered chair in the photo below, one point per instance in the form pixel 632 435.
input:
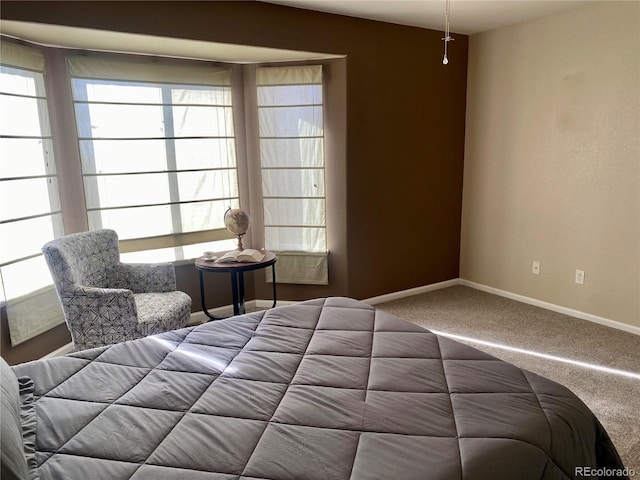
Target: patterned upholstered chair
pixel 106 301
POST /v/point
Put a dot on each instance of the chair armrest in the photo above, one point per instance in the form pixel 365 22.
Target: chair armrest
pixel 146 277
pixel 95 292
pixel 99 316
pixel 79 302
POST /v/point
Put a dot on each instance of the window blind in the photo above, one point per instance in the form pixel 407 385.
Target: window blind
pixel 27 165
pixel 157 147
pixel 291 131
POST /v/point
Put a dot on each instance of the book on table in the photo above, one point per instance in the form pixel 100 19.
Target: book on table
pixel 246 255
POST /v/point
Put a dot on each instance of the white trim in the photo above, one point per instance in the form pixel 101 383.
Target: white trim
pixel 550 306
pixel 410 292
pixel 268 303
pixel 227 310
pixel 63 350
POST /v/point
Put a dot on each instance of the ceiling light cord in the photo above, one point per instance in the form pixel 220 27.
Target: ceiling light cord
pixel 447 35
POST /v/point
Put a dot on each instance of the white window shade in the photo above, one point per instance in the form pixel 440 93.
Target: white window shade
pixel 133 69
pixel 156 142
pixel 295 76
pixel 27 164
pixel 16 55
pixel 291 130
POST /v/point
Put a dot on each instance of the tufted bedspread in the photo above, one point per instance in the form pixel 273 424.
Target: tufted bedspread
pixel 325 389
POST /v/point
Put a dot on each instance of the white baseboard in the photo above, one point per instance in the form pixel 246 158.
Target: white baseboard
pixel 550 306
pixel 227 310
pixel 410 292
pixel 63 350
pixel 269 303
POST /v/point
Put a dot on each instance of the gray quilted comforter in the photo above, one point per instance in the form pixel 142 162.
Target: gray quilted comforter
pixel 326 389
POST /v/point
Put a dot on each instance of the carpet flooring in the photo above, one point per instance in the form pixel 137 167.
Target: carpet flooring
pixel 491 323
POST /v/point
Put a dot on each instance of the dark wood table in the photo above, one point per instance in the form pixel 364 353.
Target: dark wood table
pixel 236 269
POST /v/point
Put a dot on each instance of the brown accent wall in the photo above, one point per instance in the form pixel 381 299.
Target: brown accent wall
pixel 398 216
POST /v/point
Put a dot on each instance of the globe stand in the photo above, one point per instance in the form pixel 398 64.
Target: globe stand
pixel 240 246
pixel 237 223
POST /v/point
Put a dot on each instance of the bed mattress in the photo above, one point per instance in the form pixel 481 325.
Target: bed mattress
pixel 325 389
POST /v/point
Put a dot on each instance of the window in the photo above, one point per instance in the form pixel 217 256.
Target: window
pixel 157 156
pixel 30 213
pixel 290 117
pixel 157 148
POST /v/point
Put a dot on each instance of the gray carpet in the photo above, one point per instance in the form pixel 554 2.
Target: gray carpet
pixel 614 398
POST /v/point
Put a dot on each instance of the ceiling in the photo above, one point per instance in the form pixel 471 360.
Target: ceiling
pixel 107 41
pixel 466 16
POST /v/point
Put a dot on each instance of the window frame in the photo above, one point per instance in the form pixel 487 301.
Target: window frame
pixel 19 302
pixel 176 239
pixel 55 207
pixel 48 157
pixel 248 189
pixel 263 138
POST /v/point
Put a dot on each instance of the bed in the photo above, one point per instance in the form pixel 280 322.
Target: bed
pixel 324 389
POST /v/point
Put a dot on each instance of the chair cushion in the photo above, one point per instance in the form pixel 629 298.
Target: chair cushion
pixel 160 312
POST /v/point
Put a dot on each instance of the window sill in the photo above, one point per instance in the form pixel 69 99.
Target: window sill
pixel 183 255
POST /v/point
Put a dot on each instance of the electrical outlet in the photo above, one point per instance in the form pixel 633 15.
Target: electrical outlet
pixel 535 267
pixel 580 277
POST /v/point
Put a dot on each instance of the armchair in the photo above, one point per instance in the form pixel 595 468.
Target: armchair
pixel 105 301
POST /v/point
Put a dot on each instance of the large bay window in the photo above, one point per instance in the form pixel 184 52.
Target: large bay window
pixel 157 148
pixel 30 212
pixel 156 161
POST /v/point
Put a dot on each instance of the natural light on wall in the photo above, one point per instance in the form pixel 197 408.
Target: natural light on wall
pixel 27 165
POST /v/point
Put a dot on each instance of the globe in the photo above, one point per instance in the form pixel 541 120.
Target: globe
pixel 236 221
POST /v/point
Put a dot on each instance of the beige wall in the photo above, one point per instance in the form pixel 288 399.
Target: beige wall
pixel 552 160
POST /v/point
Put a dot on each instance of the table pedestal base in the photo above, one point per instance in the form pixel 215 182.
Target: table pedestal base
pixel 237 283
